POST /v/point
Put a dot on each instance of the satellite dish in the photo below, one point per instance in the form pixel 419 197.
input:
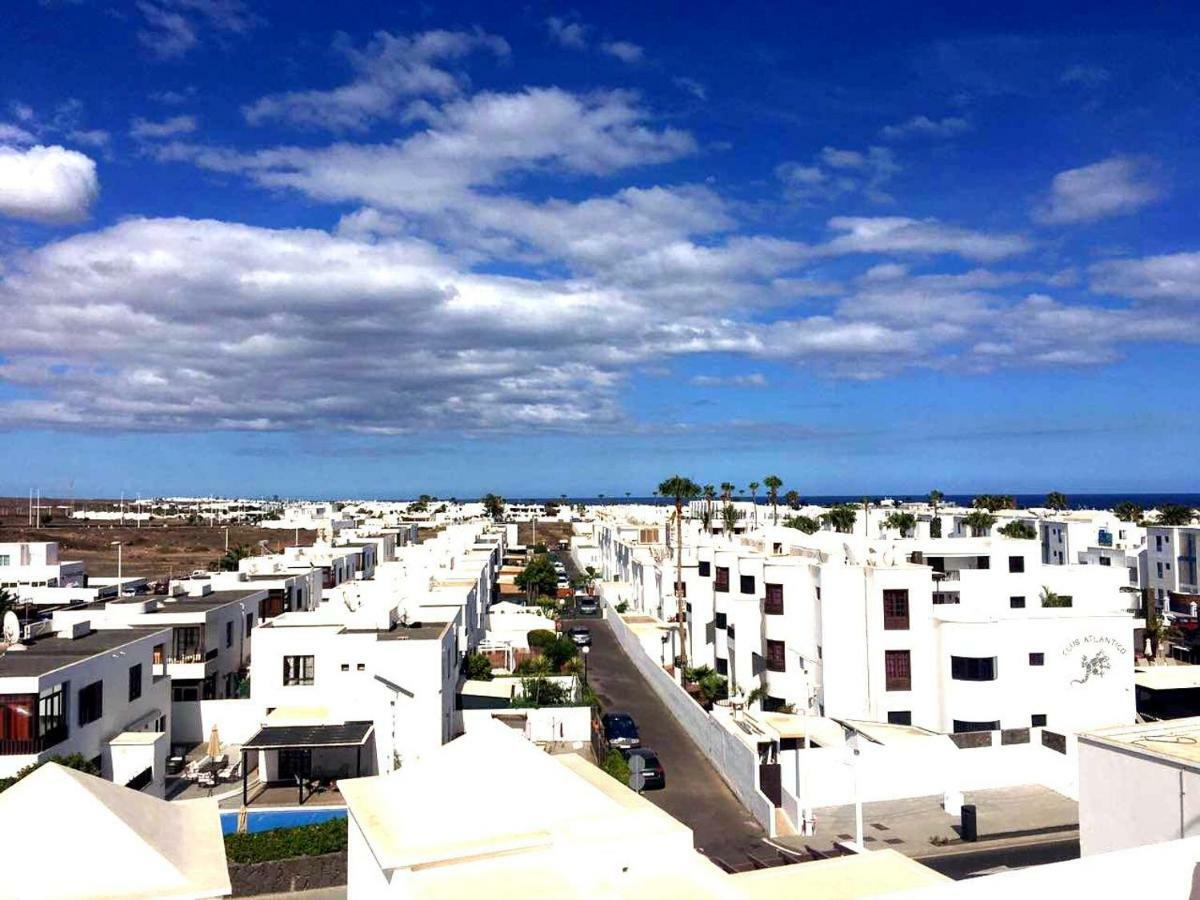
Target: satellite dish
pixel 12 628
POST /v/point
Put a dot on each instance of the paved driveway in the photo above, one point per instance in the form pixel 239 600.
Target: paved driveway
pixel 695 793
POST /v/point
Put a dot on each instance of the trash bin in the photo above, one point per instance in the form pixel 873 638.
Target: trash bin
pixel 970 831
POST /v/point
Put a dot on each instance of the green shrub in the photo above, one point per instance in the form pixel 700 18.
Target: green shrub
pixel 478 667
pixel 72 761
pixel 533 665
pixel 286 843
pixel 539 691
pixel 623 606
pixel 559 653
pixel 541 638
pixel 616 766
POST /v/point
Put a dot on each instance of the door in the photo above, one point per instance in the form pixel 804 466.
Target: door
pixel 294 764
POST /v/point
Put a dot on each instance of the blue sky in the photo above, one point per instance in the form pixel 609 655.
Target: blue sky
pixel 327 249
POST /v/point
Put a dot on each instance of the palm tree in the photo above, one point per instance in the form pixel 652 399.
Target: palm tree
pixel 680 489
pixel 935 524
pixel 841 517
pixel 1128 511
pixel 792 499
pixel 980 522
pixel 773 483
pixel 1174 514
pixel 1057 501
pixel 727 490
pixel 754 499
pixel 710 492
pixel 904 522
pixel 729 518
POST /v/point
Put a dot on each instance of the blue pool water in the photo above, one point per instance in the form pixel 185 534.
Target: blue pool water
pixel 267 819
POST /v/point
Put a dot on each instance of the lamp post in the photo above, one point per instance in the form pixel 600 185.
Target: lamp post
pixel 120 582
pixel 586 650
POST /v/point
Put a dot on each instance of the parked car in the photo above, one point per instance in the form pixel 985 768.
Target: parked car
pixel 654 775
pixel 588 606
pixel 620 731
pixel 581 635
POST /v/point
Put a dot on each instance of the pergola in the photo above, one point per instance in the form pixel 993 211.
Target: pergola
pixel 307 737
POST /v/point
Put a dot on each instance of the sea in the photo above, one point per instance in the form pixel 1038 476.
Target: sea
pixel 1075 501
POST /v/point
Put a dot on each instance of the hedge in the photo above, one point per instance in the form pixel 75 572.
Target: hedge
pixel 285 843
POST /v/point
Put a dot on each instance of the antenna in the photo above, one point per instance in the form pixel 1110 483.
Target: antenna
pixel 12 628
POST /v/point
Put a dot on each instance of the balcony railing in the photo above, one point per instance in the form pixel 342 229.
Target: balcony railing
pixel 192 656
pixel 15 747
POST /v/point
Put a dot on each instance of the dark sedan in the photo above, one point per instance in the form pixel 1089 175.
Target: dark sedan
pixel 653 774
pixel 620 731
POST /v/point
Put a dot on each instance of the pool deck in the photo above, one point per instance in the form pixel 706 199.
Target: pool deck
pixel 274 797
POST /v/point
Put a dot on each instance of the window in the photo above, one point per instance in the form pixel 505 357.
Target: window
pixel 249 623
pixel 186 644
pixel 897 667
pixel 297 670
pixel 361 667
pixel 961 727
pixel 895 610
pixel 973 668
pixel 228 634
pixel 91 702
pixel 1038 720
pixel 722 667
pixel 776 662
pixel 5 560
pixel 185 692
pixel 900 717
pixel 719 620
pixel 1037 659
pixel 1159 569
pixel 747 584
pixel 1158 543
pixel 774 602
pixel 135 682
pixel 1105 561
pixel 703 568
pixel 1016 602
pixel 1016 564
pixel 345 667
pixel 52 715
pixel 681 589
pixel 983 562
pixel 722 581
pixel 159 656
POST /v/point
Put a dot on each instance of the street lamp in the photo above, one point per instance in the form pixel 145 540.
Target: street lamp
pixel 120 583
pixel 586 650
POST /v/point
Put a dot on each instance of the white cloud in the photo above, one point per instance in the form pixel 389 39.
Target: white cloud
pixel 1112 187
pixel 692 86
pixel 923 126
pixel 1174 276
pixel 173 26
pixel 176 125
pixel 391 69
pixel 753 379
pixel 46 184
pixel 625 51
pixel 91 137
pixel 15 135
pixel 835 172
pixel 897 234
pixel 571 35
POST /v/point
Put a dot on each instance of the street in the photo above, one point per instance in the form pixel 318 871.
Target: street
pixel 695 793
pixel 959 865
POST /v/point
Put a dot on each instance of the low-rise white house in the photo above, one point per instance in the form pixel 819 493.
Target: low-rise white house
pixel 36 564
pixel 104 694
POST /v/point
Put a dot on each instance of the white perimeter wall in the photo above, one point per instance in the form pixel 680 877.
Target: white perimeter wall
pixel 735 762
pixel 237 720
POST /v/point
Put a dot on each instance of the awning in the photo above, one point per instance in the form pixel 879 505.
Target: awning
pixel 288 737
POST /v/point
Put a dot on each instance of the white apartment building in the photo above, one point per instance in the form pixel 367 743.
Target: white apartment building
pixel 37 564
pixel 1171 568
pixel 948 634
pixel 103 694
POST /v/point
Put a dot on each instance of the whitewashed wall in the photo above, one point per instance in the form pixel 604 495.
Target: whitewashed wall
pixel 237 720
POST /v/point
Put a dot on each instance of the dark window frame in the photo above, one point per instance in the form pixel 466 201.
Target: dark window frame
pixel 1017 602
pixel 91 703
pixel 895 610
pixel 721 580
pixel 744 580
pixel 773 603
pixel 704 568
pixel 776 656
pixel 974 668
pixel 1016 565
pixel 299 670
pixel 1037 659
pixel 897 670
pixel 135 682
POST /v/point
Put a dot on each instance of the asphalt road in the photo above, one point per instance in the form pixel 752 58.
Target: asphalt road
pixel 960 865
pixel 695 793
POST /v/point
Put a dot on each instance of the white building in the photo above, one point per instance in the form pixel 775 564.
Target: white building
pixel 104 694
pixel 1139 784
pixel 37 564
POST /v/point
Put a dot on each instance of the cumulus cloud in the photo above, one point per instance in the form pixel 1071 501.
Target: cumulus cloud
pixel 1174 276
pixel 46 184
pixel 897 234
pixel 15 135
pixel 147 130
pixel 923 126
pixel 1112 187
pixel 625 51
pixel 571 35
pixel 391 69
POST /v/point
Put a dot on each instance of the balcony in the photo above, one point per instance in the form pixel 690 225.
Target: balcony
pixel 28 746
pixel 190 656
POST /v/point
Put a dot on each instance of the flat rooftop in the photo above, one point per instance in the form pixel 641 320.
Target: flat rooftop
pixel 426 631
pixel 47 654
pixel 1175 740
pixel 185 604
pixel 1167 678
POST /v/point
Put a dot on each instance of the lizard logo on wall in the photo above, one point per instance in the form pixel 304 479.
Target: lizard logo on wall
pixel 1095 665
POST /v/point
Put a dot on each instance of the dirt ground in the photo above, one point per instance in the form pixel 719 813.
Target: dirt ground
pixel 152 551
pixel 548 533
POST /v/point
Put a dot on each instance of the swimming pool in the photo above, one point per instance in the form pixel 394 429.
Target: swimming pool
pixel 268 819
